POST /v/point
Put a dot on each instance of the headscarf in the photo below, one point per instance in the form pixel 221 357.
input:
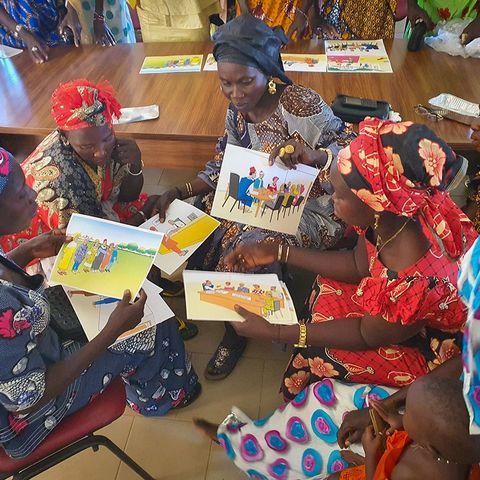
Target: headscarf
pixel 82 104
pixel 6 161
pixel 247 41
pixel 469 288
pixel 404 168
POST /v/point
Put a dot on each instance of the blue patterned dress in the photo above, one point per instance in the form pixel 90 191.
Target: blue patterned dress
pixel 153 364
pixel 41 17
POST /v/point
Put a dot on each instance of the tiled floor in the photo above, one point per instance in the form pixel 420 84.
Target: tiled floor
pixel 170 448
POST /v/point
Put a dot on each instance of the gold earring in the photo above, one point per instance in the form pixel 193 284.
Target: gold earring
pixel 377 221
pixel 272 87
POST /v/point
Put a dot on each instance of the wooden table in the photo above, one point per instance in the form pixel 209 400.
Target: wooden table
pixel 192 109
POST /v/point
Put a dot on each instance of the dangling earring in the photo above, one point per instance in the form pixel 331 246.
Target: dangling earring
pixel 64 140
pixel 377 221
pixel 272 87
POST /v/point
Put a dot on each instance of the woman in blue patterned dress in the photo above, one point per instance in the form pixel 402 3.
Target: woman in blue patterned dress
pixel 42 380
pixel 36 25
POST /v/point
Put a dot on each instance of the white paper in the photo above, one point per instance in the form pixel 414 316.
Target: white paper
pixel 185 229
pixel 93 311
pixel 8 52
pixel 273 197
pixel 213 295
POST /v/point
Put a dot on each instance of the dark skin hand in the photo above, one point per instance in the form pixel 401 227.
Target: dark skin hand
pixel 71 21
pixel 416 13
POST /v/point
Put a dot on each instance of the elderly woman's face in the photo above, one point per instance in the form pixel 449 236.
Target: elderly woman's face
pixel 243 86
pixel 17 203
pixel 94 145
pixel 347 206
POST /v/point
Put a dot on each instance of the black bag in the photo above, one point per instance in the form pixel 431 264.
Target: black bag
pixel 354 109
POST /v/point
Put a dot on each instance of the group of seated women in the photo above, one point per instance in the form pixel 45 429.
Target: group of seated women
pixel 384 321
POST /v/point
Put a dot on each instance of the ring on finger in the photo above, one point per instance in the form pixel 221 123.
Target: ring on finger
pixel 281 153
pixel 34 48
pixel 289 149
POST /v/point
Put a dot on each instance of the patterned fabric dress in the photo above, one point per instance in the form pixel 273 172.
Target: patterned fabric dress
pixel 153 364
pixel 301 115
pixel 469 286
pixel 66 185
pixel 426 290
pixel 39 16
pixel 117 17
pixel 299 440
pixel 361 20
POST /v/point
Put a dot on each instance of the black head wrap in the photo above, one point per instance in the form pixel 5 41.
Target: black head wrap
pixel 246 40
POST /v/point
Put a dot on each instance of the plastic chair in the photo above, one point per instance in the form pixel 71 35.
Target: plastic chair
pixel 274 206
pixel 233 190
pixel 73 435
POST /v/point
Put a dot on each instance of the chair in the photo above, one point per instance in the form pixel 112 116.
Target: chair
pixel 300 200
pixel 288 205
pixel 274 206
pixel 233 190
pixel 73 435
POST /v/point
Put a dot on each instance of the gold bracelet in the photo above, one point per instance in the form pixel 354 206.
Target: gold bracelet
pixel 302 337
pixel 287 254
pixel 280 252
pixel 189 189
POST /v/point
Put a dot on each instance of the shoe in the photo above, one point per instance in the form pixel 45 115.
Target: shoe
pixel 223 361
pixel 170 289
pixel 190 397
pixel 187 330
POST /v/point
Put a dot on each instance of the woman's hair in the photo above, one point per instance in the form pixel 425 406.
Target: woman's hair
pixel 247 41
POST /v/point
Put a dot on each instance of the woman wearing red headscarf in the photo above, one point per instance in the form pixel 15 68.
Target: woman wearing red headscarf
pixel 388 311
pixel 82 167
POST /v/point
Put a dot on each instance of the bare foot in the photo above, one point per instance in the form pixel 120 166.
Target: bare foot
pixel 207 428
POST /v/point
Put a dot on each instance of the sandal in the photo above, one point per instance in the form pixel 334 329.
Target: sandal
pixel 223 361
pixel 187 330
pixel 189 397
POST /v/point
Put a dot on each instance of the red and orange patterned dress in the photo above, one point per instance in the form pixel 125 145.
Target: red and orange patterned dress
pixel 426 290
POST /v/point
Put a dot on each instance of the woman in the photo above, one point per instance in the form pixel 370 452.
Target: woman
pixel 37 25
pixel 104 22
pixel 291 15
pixel 435 11
pixel 82 167
pixel 349 20
pixel 175 20
pixel 388 311
pixel 42 380
pixel 264 116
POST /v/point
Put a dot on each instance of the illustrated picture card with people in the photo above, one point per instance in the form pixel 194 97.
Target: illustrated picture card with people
pixel 172 64
pixel 367 56
pixel 252 192
pixel 185 228
pixel 93 311
pixel 105 257
pixel 213 296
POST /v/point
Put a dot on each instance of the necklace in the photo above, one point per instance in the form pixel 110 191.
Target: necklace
pixel 380 244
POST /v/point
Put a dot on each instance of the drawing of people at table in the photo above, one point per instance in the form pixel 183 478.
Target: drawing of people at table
pixel 244 186
pixel 258 183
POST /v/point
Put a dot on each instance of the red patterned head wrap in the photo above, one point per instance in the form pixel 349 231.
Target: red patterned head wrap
pixel 82 104
pixel 404 168
pixel 6 161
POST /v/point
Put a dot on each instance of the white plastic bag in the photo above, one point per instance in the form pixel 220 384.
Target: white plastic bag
pixel 447 39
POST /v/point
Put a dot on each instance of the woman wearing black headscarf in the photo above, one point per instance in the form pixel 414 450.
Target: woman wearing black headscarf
pixel 263 115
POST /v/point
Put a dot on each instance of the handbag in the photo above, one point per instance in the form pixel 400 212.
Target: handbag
pixel 355 109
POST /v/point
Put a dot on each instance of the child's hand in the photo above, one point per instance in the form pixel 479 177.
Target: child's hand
pixel 394 419
pixel 371 442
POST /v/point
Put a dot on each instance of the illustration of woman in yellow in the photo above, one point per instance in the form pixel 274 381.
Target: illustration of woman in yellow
pixel 68 253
